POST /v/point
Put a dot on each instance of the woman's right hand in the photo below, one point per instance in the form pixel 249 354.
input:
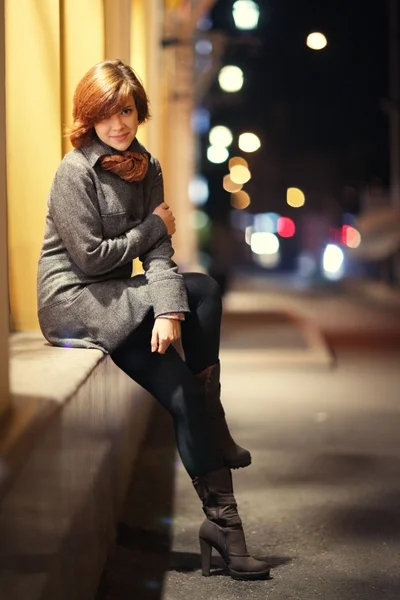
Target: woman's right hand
pixel 166 214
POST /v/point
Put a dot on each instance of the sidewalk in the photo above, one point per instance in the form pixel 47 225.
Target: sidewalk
pixel 320 501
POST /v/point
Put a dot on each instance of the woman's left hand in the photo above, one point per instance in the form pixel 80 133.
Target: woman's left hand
pixel 165 332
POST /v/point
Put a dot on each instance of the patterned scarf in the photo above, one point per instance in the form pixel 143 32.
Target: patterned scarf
pixel 131 166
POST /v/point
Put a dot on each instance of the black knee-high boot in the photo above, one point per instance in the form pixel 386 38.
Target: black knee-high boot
pixel 223 529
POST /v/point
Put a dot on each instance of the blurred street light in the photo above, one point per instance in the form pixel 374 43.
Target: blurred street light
pixel 231 78
pixel 249 142
pixel 286 227
pixel 316 41
pixel 240 174
pixel 295 197
pixel 198 190
pixel 333 262
pixel 246 14
pixel 350 236
pixel 230 186
pixel 237 160
pixel 240 200
pixel 220 136
pixel 264 243
pixel 217 154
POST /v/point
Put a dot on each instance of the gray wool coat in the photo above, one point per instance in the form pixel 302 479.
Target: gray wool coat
pixel 96 224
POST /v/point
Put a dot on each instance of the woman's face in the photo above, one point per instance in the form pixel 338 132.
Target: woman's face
pixel 119 130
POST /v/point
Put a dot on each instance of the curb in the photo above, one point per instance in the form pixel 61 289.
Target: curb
pixel 316 353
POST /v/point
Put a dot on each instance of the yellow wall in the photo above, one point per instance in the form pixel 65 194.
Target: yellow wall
pixel 138 54
pixel 82 46
pixel 33 140
pixel 4 333
pixel 49 46
pixel 117 17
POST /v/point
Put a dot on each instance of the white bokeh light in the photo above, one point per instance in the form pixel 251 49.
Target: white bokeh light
pixel 264 243
pixel 316 41
pixel 231 78
pixel 246 14
pixel 249 142
pixel 220 136
pixel 333 261
pixel 217 154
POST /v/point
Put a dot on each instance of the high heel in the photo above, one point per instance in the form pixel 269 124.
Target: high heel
pixel 205 551
pixel 235 457
pixel 224 539
pixel 223 529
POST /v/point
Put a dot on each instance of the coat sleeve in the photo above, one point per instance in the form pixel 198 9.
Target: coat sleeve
pixel 166 286
pixel 73 206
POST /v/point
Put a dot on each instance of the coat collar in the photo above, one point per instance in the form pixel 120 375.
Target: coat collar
pixel 95 148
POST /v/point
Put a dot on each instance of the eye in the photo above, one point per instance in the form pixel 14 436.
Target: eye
pixel 126 111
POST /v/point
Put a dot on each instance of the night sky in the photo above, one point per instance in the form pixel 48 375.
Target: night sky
pixel 319 114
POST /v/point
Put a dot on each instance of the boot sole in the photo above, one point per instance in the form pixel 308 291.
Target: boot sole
pixel 249 576
pixel 241 465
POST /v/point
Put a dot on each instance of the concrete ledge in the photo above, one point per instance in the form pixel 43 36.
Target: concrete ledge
pixel 42 379
pixel 44 371
pixel 68 449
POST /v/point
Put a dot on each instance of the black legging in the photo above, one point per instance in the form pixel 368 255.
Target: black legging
pixel 171 380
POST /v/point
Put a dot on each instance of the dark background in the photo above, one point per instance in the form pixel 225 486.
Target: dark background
pixel 320 114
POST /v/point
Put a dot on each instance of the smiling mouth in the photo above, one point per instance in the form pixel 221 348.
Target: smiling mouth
pixel 119 137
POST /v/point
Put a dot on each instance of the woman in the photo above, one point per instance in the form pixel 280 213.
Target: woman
pixel 106 208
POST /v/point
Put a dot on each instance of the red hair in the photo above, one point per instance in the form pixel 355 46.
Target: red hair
pixel 102 92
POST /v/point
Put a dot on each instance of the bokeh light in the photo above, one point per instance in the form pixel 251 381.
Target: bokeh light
pixel 203 47
pixel 237 160
pixel 264 222
pixel 240 200
pixel 240 174
pixel 198 190
pixel 295 197
pixel 217 154
pixel 350 236
pixel 249 142
pixel 264 243
pixel 246 14
pixel 200 219
pixel 200 120
pixel 220 136
pixel 231 78
pixel 332 261
pixel 316 41
pixel 286 227
pixel 230 186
